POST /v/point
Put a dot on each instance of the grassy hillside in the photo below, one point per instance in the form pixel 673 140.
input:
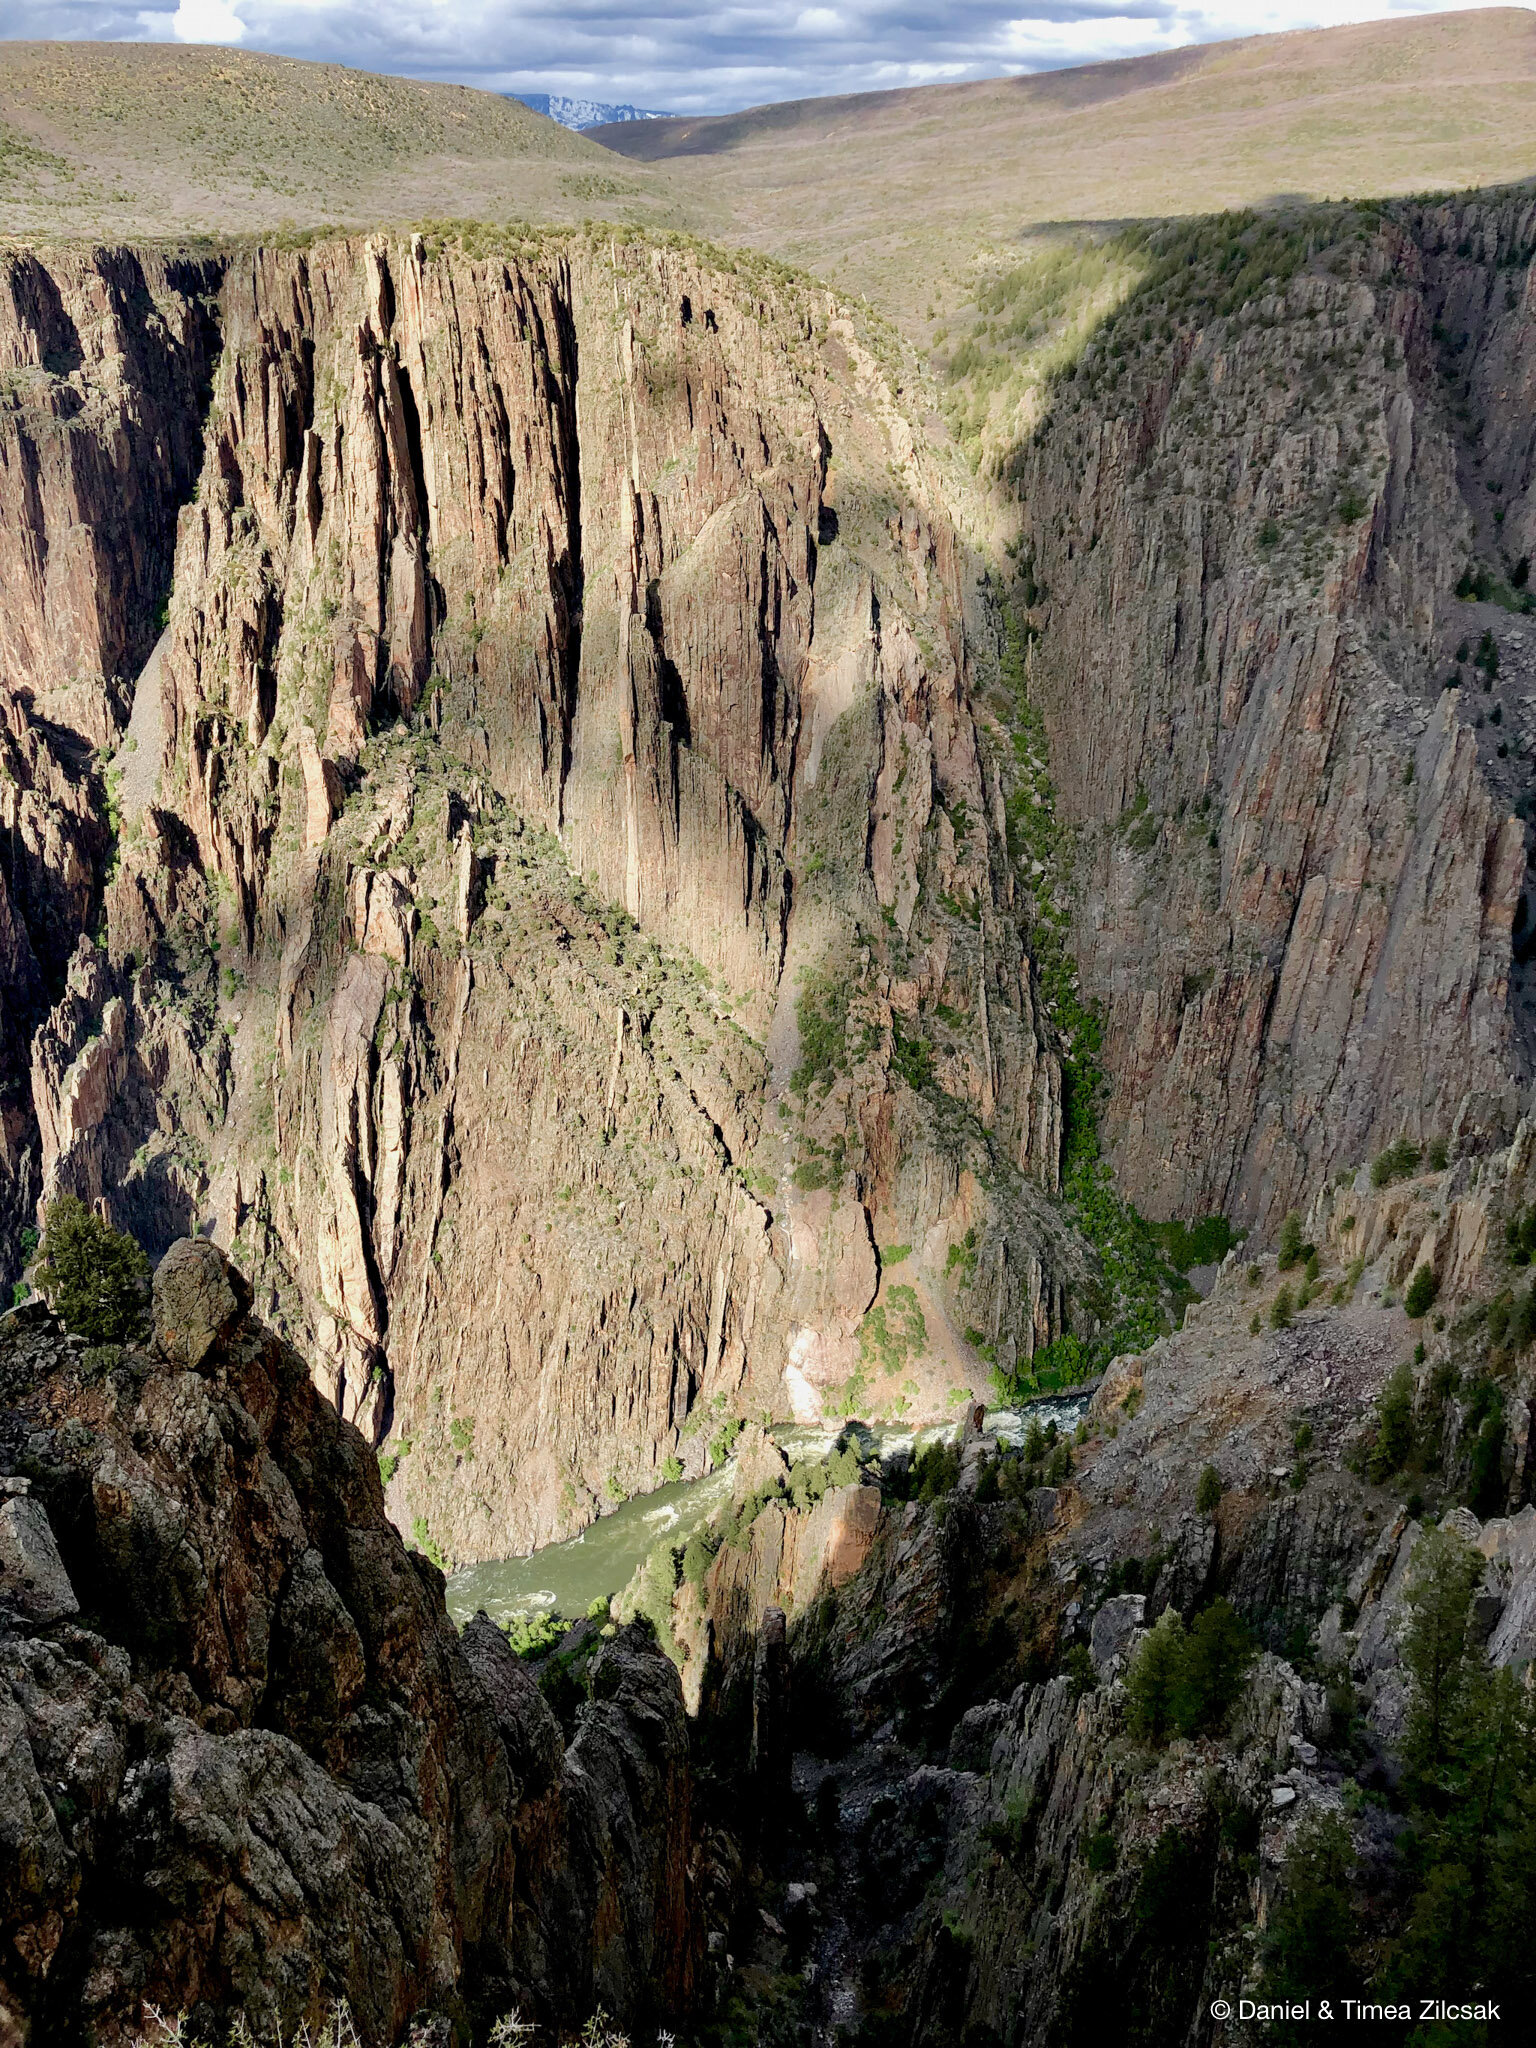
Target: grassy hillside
pixel 914 197
pixel 124 139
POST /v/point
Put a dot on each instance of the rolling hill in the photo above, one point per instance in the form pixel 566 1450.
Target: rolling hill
pixel 109 140
pixel 897 194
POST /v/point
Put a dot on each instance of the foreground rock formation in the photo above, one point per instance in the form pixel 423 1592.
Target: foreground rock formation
pixel 247 1764
pixel 929 1674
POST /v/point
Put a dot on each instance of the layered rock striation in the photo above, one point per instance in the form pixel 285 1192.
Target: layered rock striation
pixel 564 710
pixel 1249 514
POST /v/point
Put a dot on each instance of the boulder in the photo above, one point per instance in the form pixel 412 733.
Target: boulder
pixel 197 1300
pixel 32 1574
pixel 1114 1626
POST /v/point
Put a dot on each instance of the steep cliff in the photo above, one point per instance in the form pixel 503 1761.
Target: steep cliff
pixel 568 929
pixel 248 1765
pixel 105 360
pixel 1269 688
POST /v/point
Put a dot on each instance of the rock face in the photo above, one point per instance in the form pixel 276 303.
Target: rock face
pixel 247 1764
pixel 1247 517
pixel 559 725
pixel 105 357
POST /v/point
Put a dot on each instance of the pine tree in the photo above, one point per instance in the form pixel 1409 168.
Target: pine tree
pixel 1153 1677
pixel 92 1275
pixel 1445 1573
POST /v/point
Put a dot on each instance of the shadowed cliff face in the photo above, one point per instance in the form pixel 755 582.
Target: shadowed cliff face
pixel 567 673
pixel 104 364
pixel 1299 870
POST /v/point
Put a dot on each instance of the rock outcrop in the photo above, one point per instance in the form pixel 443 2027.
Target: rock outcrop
pixel 248 1766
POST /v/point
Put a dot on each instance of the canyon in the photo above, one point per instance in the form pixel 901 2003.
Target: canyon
pixel 559 936
pixel 588 874
pixel 541 631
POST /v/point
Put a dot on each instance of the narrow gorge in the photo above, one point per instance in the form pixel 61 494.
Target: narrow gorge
pixel 590 879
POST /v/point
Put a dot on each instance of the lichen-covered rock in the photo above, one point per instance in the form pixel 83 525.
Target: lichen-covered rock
pixel 195 1301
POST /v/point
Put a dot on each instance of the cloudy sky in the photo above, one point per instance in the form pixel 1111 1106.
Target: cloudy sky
pixel 696 55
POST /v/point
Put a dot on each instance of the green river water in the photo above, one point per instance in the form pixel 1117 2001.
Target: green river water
pixel 565 1578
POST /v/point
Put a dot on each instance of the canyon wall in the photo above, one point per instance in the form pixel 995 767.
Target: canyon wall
pixel 105 359
pixel 563 697
pixel 1299 863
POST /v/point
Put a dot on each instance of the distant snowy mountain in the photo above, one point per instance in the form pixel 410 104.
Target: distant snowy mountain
pixel 583 113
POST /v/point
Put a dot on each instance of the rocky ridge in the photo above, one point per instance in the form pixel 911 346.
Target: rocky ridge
pixel 249 1765
pixel 954 1745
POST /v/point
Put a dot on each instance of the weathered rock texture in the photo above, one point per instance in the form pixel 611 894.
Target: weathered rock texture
pixel 104 363
pixel 247 1764
pixel 1299 870
pixel 553 693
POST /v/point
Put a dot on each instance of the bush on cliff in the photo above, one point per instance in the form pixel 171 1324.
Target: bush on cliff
pixel 1400 1159
pixel 92 1275
pixel 1187 1681
pixel 1292 1250
pixel 1394 1426
pixel 1422 1289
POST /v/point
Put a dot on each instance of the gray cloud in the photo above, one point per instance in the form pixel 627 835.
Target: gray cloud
pixel 692 55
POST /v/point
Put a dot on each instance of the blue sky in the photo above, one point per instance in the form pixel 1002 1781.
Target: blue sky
pixel 695 55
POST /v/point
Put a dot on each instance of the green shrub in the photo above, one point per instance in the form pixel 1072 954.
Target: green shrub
pixel 1282 1310
pixel 698 1554
pixel 1100 1853
pixel 936 1472
pixel 1204 1243
pixel 92 1275
pixel 1216 1656
pixel 1520 1237
pixel 894 1332
pixel 1208 1492
pixel 1078 1669
pixel 1422 1290
pixel 1400 1159
pixel 1151 1680
pixel 1394 1426
pixel 821 1011
pixel 422 1540
pixel 534 1635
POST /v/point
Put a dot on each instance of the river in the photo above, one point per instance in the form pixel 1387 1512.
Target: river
pixel 565 1578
